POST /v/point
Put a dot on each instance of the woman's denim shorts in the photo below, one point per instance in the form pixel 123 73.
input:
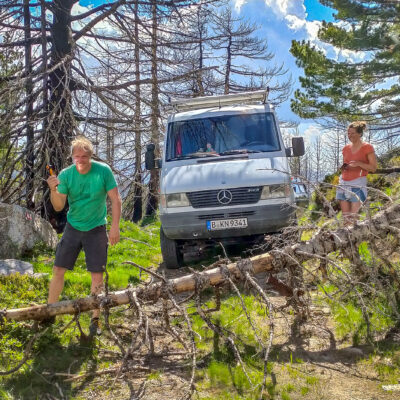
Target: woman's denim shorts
pixel 351 194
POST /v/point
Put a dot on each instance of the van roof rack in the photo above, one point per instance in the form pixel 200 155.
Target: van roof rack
pixel 196 103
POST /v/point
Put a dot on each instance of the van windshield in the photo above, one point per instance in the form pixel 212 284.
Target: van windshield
pixel 222 135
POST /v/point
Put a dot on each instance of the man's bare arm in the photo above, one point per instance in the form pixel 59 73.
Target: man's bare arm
pixel 57 199
pixel 116 205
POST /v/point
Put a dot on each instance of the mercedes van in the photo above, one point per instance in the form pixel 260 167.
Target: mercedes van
pixel 224 173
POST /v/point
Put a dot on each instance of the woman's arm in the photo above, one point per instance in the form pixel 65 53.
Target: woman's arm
pixel 370 166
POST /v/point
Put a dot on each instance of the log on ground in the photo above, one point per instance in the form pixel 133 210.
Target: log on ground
pixel 321 244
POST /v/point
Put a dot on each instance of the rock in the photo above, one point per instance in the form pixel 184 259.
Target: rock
pixel 392 388
pixel 39 275
pixel 21 230
pixel 8 267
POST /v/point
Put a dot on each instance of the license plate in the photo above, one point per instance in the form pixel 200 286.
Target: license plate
pixel 234 223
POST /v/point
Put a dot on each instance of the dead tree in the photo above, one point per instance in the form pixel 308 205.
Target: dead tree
pixel 237 39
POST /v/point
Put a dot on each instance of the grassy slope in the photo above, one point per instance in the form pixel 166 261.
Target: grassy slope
pixel 58 350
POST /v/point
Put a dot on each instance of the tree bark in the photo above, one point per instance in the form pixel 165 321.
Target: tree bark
pixel 323 243
pixel 138 186
pixel 387 170
pixel 30 158
pixel 59 122
pixel 152 201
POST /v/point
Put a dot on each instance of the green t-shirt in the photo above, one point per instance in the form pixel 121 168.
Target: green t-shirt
pixel 87 194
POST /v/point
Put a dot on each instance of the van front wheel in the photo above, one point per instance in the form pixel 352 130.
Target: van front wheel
pixel 172 256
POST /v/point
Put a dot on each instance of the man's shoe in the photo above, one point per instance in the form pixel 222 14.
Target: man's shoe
pixel 47 321
pixel 94 327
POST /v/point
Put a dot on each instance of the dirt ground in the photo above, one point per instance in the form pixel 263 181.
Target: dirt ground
pixel 309 363
pixel 342 372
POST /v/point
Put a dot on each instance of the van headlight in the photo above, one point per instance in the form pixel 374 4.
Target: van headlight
pixel 275 191
pixel 174 200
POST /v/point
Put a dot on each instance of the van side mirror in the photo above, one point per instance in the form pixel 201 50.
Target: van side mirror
pixel 149 157
pixel 298 146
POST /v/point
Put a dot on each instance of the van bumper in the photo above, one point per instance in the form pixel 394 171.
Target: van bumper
pixel 191 225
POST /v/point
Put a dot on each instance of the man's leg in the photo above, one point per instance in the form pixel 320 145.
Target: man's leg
pixel 97 287
pixel 66 254
pixel 95 245
pixel 55 288
pixel 56 284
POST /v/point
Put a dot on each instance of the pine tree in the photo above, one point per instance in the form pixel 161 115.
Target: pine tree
pixel 345 89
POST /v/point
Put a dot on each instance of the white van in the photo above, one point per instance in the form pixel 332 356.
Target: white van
pixel 224 173
pixel 301 193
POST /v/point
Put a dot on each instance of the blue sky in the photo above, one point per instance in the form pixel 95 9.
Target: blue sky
pixel 316 10
pixel 281 21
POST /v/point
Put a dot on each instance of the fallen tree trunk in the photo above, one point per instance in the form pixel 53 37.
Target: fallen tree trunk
pixel 387 170
pixel 321 244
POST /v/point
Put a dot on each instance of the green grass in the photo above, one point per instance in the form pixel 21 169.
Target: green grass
pixel 59 349
pixel 223 375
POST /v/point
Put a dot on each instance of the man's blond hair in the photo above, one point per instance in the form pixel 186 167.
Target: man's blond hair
pixel 82 143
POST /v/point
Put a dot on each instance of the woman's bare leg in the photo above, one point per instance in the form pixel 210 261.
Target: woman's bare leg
pixel 345 206
pixel 354 209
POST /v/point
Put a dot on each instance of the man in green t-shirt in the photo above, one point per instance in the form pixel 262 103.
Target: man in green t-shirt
pixel 86 184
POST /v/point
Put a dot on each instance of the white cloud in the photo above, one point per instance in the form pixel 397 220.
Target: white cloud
pixel 294 22
pixel 311 133
pixel 284 8
pixel 312 28
pixel 78 9
pixel 239 4
pixel 102 26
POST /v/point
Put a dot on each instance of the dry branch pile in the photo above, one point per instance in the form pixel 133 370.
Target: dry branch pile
pixel 150 338
pixel 324 242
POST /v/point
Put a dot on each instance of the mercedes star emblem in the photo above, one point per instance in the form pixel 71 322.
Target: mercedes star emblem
pixel 224 196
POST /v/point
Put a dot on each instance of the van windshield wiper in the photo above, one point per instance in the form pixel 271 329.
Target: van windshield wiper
pixel 238 151
pixel 194 155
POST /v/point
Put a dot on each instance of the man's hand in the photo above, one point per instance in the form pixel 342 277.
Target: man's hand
pixel 57 199
pixel 116 204
pixel 53 182
pixel 113 235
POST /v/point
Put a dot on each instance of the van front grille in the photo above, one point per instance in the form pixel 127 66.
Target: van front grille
pixel 229 215
pixel 209 198
pixel 241 214
pixel 212 216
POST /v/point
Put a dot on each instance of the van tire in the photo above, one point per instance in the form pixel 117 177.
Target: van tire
pixel 172 256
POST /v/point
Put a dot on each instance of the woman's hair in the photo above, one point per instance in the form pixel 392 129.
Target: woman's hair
pixel 359 126
pixel 82 143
